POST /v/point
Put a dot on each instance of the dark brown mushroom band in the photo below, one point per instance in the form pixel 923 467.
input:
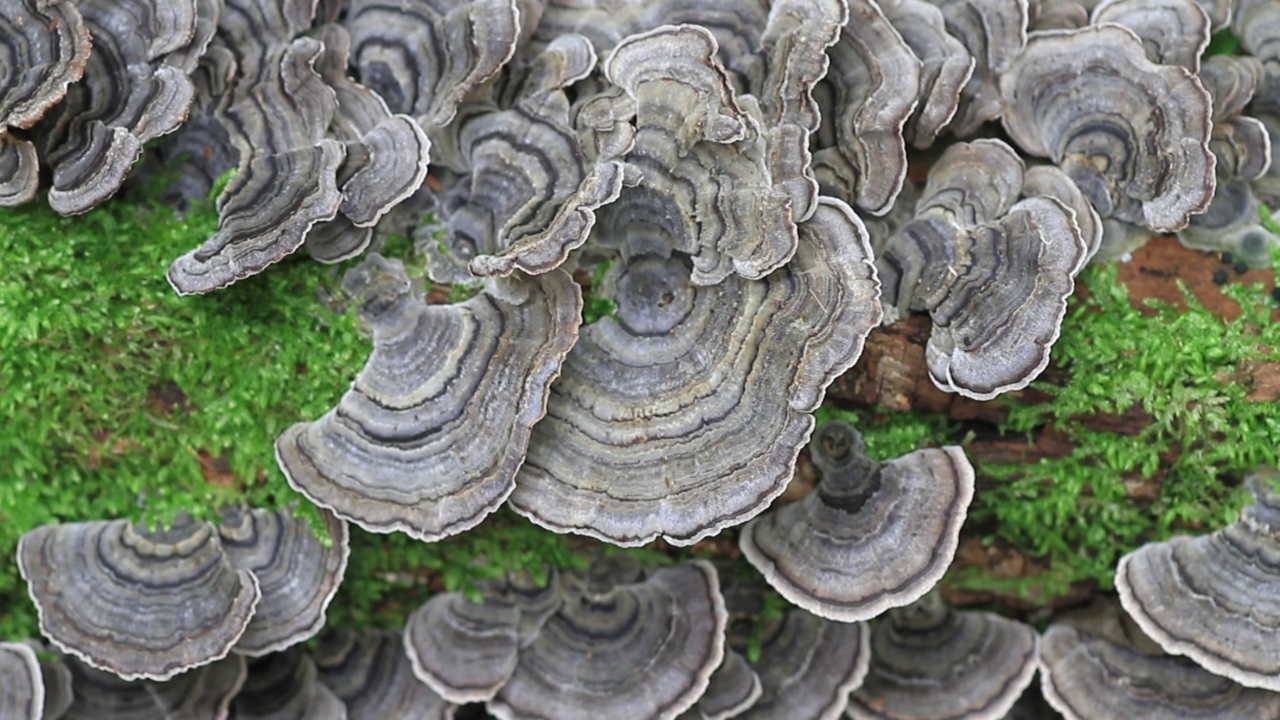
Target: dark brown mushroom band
pixel 753 186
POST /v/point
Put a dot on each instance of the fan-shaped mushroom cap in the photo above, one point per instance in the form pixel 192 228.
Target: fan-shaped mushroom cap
pixel 21 684
pixel 128 96
pixel 644 650
pixel 1232 224
pixel 1133 135
pixel 994 32
pixel 1231 81
pixel 1086 677
pixel 284 686
pixel 52 47
pixel 465 650
pixel 1242 148
pixel 1173 32
pixel 993 274
pixel 945 70
pixel 1257 24
pixel 386 158
pixel 139 603
pixel 286 175
pixel 929 662
pixel 1048 181
pixel 425 56
pixel 19 170
pixel 1057 14
pixel 297 575
pixel 703 148
pixel 1215 598
pixel 870 93
pixel 808 666
pixel 645 427
pixel 372 676
pixel 871 536
pixel 532 191
pixel 204 692
pixel 734 688
pixel 430 436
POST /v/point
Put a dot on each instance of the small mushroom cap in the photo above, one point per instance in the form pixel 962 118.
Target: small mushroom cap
pixel 286 179
pixel 1257 24
pixel 994 32
pixel 298 576
pixel 48 47
pixel 1242 147
pixel 1232 224
pixel 645 426
pixel 871 536
pixel 1048 181
pixel 58 694
pixel 946 66
pixel 871 92
pixel 643 650
pixel 19 170
pixel 425 56
pixel 734 688
pixel 808 666
pixel 1086 677
pixel 430 436
pixel 1215 598
pixel 464 650
pixel 1173 32
pixel 1133 135
pixel 1231 81
pixel 372 676
pixel 284 686
pixel 929 662
pixel 21 684
pixel 138 603
pixel 204 692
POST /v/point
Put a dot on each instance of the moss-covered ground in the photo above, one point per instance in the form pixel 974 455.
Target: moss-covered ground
pixel 120 399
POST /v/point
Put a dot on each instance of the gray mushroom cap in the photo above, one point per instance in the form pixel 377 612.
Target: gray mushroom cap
pixel 734 688
pixel 871 536
pixel 946 66
pixel 929 662
pixel 21 684
pixel 1048 181
pixel 993 274
pixel 1174 32
pixel 870 92
pixel 1215 598
pixel 425 56
pixel 1133 135
pixel 702 146
pixel 284 686
pixel 139 603
pixel 1087 677
pixel 430 436
pixel 286 177
pixel 466 650
pixel 640 650
pixel 204 692
pixel 298 576
pixel 1232 224
pixel 372 676
pixel 994 32
pixel 645 426
pixel 808 666
pixel 1257 24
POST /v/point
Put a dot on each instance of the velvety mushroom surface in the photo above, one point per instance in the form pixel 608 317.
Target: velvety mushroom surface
pixel 371 675
pixel 1087 677
pixel 653 646
pixel 871 536
pixel 1215 598
pixel 21 684
pixel 645 428
pixel 734 687
pixel 929 662
pixel 139 603
pixel 430 436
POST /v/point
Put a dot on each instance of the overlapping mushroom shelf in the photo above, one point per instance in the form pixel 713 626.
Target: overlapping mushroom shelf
pixel 730 179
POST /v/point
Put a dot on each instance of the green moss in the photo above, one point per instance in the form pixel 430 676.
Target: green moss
pixel 120 398
pixel 1182 368
pixel 1223 42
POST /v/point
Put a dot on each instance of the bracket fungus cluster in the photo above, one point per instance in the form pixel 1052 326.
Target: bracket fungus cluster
pixel 704 170
pixel 152 603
